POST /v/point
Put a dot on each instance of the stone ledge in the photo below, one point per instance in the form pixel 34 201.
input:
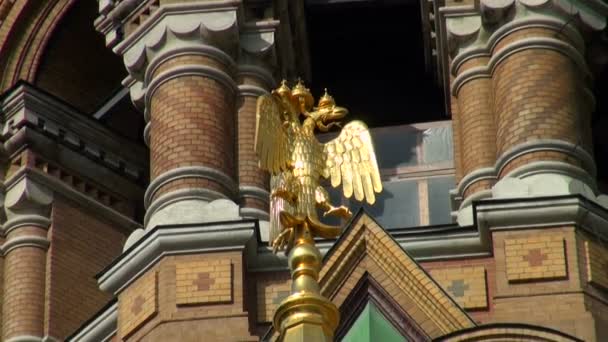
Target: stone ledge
pixel 171 240
pixel 26 106
pixel 101 328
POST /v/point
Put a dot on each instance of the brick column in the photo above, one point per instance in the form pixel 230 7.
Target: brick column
pixel 181 74
pixel 523 101
pixel 253 181
pixel 27 206
pixel 477 131
pixel 541 90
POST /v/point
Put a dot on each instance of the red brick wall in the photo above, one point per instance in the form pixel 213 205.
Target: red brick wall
pixel 192 124
pixel 81 246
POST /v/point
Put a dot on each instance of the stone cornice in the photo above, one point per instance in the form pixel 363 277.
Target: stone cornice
pixel 26 106
pixel 254 192
pixel 472 31
pixel 187 70
pixel 188 172
pixel 491 173
pixel 213 29
pixel 24 241
pixel 165 200
pixel 121 221
pixel 101 328
pixel 172 240
pixel 512 48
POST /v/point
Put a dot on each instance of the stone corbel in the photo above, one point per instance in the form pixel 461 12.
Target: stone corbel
pixel 27 204
pixel 25 198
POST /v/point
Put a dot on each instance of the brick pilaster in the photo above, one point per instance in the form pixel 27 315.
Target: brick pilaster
pixel 27 207
pixel 253 181
pixel 521 102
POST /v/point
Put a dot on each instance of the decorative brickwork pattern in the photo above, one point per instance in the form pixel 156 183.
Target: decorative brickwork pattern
pixel 137 304
pixel 270 294
pixel 466 285
pixel 535 257
pixel 596 259
pixel 205 281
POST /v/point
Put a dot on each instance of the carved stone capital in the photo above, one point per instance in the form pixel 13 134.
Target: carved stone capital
pixel 27 198
pixel 213 29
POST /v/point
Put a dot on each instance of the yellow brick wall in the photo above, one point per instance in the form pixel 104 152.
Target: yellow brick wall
pixel 270 292
pixel 596 260
pixel 204 281
pixel 137 303
pixel 535 257
pixel 466 285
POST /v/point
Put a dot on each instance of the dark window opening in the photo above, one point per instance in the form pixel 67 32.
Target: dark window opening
pixel 370 56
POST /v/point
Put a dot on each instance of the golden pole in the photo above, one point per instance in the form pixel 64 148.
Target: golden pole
pixel 305 315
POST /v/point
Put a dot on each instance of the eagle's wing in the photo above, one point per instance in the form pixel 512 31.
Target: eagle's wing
pixel 350 159
pixel 271 137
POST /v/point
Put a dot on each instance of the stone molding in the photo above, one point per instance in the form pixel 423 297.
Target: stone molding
pixel 24 199
pixel 26 221
pixel 586 174
pixel 25 241
pixel 212 28
pixel 174 240
pixel 172 175
pixel 103 211
pixel 187 70
pixel 254 213
pixel 29 107
pixel 471 31
pixel 165 200
pixel 25 338
pixel 259 72
pixel 515 47
pixel 254 192
pixel 101 328
pixel 251 90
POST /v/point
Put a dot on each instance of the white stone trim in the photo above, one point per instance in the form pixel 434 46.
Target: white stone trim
pixel 187 50
pixel 539 145
pixel 485 47
pixel 543 167
pixel 188 172
pixel 204 195
pixel 25 338
pixel 147 133
pixel 102 328
pixel 251 90
pixel 254 192
pixel 485 173
pixel 25 221
pixel 25 241
pixel 100 210
pixel 513 48
pixel 258 72
pixel 187 70
pixel 173 240
pixel 254 213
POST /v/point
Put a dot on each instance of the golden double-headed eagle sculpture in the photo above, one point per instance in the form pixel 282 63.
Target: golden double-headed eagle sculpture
pixel 288 149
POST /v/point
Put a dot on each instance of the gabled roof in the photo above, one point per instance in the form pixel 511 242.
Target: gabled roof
pixel 366 250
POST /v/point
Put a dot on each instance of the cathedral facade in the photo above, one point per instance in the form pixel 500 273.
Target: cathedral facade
pixel 134 209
